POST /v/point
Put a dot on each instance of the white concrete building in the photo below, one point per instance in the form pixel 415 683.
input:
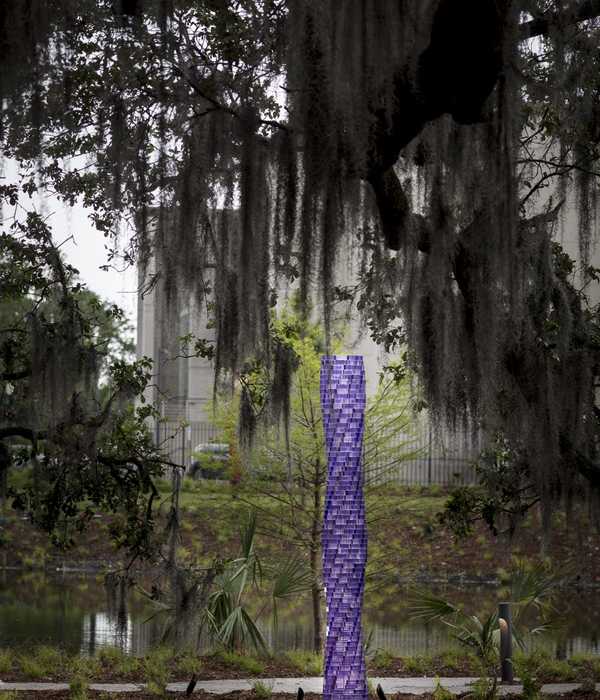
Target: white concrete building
pixel 183 386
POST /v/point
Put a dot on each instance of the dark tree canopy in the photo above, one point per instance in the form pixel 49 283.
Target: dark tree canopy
pixel 420 133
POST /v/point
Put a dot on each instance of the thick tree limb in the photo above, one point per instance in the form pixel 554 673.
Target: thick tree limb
pixel 13 376
pixel 582 11
pixel 455 74
pixel 21 431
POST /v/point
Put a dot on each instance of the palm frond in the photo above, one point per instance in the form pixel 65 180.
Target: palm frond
pixel 239 625
pixel 430 608
pixel 247 534
pixel 291 577
pixel 533 585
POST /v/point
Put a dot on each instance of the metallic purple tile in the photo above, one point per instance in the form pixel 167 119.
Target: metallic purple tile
pixel 344 532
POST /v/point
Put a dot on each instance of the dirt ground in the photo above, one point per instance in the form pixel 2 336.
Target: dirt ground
pixel 251 695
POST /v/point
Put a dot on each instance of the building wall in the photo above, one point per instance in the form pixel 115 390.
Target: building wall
pixel 182 386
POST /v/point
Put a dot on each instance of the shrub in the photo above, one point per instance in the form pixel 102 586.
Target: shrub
pixel 110 656
pixel 188 663
pixel 50 660
pixel 78 687
pixel 31 668
pixel 485 688
pixel 156 673
pixel 452 660
pixel 418 665
pixel 531 684
pixel 127 665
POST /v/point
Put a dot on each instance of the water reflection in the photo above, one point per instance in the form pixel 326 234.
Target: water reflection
pixel 76 613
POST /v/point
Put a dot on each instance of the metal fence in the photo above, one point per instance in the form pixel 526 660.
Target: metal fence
pixel 412 460
pixel 179 440
pixel 426 458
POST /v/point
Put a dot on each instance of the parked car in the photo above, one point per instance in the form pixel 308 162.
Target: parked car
pixel 210 460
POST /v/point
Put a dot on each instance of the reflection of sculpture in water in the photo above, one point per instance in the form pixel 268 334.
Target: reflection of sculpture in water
pixel 344 531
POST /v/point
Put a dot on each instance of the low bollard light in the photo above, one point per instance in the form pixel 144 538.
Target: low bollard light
pixel 506 663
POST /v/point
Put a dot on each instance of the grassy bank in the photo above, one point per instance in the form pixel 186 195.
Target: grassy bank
pixel 405 540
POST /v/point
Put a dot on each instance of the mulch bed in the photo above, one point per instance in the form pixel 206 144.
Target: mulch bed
pixel 250 695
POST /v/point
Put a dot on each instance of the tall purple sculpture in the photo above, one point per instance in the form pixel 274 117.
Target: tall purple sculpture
pixel 344 531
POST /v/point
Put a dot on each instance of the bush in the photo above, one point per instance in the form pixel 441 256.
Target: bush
pixel 78 687
pixel 110 656
pixel 31 668
pixel 156 670
pixel 417 665
pixel 485 689
pixel 50 659
pixel 188 663
pixel 452 660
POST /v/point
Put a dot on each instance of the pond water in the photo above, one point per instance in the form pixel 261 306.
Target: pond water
pixel 74 611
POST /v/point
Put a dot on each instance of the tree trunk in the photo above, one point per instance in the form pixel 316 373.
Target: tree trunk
pixel 316 602
pixel 315 561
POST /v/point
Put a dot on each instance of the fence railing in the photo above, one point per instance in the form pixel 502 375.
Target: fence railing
pixel 429 460
pixel 179 440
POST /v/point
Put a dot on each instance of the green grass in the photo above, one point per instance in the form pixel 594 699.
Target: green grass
pixel 382 659
pixel 78 687
pixel 418 665
pixel 50 658
pixel 31 668
pixel 6 660
pixel 117 662
pixel 452 660
pixel 307 662
pixel 188 664
pixel 249 664
pixel 110 656
pixel 156 667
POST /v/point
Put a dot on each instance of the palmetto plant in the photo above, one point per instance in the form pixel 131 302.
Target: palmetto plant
pixel 227 614
pixel 531 591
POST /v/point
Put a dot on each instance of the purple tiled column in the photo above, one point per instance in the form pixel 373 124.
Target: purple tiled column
pixel 344 531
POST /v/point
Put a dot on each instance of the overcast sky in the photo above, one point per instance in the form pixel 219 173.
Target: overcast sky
pixel 86 250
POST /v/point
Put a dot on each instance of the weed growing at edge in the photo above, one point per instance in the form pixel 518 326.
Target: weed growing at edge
pixel 441 693
pixel 262 690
